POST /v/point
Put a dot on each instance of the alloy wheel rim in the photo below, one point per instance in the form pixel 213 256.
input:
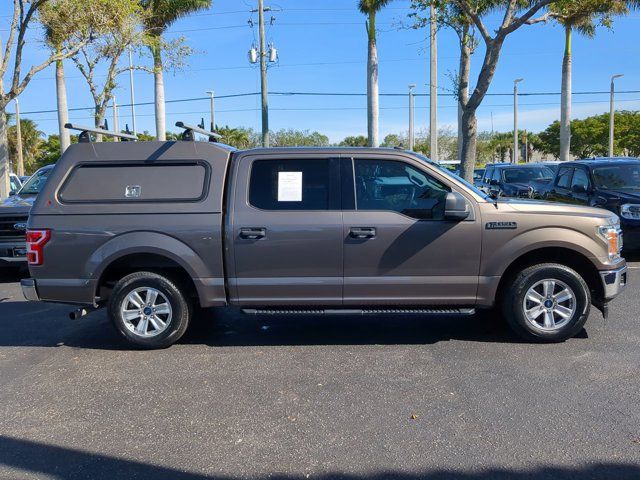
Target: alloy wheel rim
pixel 146 312
pixel 549 305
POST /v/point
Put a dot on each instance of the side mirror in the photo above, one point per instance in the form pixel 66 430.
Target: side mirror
pixel 579 189
pixel 493 182
pixel 456 207
pixel 12 193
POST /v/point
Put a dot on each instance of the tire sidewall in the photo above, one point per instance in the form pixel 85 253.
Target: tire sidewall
pixel 513 307
pixel 181 310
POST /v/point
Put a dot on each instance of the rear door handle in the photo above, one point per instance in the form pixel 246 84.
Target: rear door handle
pixel 254 233
pixel 362 232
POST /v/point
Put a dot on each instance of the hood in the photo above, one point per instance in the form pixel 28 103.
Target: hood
pixel 625 196
pixel 16 205
pixel 539 207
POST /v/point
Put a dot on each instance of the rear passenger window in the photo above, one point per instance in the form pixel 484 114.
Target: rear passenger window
pixel 135 182
pixel 291 185
pixel 564 177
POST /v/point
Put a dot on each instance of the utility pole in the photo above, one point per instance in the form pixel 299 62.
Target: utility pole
pixel 433 85
pixel 116 125
pixel 20 165
pixel 612 112
pixel 515 119
pixel 263 76
pixel 213 110
pixel 411 116
pixel 133 100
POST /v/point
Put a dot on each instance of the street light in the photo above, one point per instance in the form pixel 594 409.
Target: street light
pixel 515 118
pixel 612 112
pixel 213 110
pixel 411 134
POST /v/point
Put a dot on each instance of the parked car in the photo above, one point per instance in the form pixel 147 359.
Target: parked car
pixel 302 231
pixel 14 213
pixel 509 180
pixel 610 183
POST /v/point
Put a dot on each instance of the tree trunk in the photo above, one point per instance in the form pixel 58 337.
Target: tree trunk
pixel 4 152
pixel 158 77
pixel 63 112
pixel 463 87
pixel 565 99
pixel 469 139
pixel 372 84
pixel 98 119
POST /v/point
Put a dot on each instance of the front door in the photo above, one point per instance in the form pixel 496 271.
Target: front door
pixel 286 232
pixel 399 249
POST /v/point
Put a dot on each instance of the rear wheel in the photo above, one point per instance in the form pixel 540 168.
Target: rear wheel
pixel 548 302
pixel 149 310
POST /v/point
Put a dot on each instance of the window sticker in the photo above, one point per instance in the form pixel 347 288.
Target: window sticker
pixel 289 186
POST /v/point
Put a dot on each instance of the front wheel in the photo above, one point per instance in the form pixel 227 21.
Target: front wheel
pixel 548 302
pixel 149 310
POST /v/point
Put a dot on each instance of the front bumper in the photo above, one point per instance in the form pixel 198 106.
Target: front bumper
pixel 613 282
pixel 29 289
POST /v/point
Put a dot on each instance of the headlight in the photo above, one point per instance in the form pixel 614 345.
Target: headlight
pixel 612 235
pixel 630 211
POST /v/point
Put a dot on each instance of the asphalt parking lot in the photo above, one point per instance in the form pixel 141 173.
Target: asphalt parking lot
pixel 269 397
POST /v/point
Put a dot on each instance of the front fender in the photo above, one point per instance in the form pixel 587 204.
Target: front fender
pixel 496 261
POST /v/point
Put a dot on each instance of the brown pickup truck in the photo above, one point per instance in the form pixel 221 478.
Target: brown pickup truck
pixel 154 229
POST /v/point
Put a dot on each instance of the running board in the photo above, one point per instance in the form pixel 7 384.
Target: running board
pixel 360 311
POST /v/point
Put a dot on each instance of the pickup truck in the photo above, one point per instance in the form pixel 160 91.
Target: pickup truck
pixel 509 180
pixel 14 213
pixel 152 230
pixel 609 183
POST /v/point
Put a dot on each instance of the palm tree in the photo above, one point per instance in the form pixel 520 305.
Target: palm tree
pixel 160 15
pixel 32 141
pixel 370 8
pixel 582 16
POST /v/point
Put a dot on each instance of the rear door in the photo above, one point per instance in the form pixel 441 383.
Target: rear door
pixel 285 231
pixel 399 249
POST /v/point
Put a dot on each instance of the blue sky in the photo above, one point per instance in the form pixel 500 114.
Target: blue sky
pixel 322 48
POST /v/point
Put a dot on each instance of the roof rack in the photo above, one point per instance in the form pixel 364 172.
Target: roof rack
pixel 85 131
pixel 189 130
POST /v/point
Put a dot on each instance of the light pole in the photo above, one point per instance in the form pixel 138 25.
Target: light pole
pixel 263 75
pixel 612 112
pixel 213 110
pixel 515 119
pixel 411 116
pixel 433 84
pixel 133 100
pixel 116 123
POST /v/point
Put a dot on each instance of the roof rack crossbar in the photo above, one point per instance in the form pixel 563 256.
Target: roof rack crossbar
pixel 189 130
pixel 85 131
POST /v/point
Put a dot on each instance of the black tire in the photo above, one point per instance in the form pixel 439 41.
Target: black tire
pixel 513 303
pixel 179 304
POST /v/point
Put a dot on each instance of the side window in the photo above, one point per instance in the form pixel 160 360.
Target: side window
pixel 398 187
pixel 564 177
pixel 488 174
pixel 291 185
pixel 580 179
pixel 496 174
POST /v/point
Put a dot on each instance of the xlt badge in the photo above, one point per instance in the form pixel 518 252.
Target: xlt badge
pixel 501 225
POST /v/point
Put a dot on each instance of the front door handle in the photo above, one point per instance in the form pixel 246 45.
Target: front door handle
pixel 362 232
pixel 254 233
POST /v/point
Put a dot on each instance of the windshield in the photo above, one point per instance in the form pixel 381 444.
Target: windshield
pixel 36 182
pixel 448 173
pixel 617 177
pixel 526 174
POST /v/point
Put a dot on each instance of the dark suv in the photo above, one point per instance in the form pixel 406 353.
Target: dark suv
pixel 611 183
pixel 509 180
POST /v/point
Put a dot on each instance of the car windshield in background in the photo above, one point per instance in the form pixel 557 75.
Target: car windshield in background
pixel 36 182
pixel 470 186
pixel 526 174
pixel 617 177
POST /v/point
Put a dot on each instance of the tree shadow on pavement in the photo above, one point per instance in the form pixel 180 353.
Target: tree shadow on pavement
pixel 70 464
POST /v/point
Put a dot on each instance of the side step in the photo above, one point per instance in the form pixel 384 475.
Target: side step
pixel 359 311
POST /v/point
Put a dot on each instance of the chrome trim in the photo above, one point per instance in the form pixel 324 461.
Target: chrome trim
pixel 614 282
pixel 29 289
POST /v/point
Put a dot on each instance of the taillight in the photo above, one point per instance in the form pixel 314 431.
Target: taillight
pixel 36 240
